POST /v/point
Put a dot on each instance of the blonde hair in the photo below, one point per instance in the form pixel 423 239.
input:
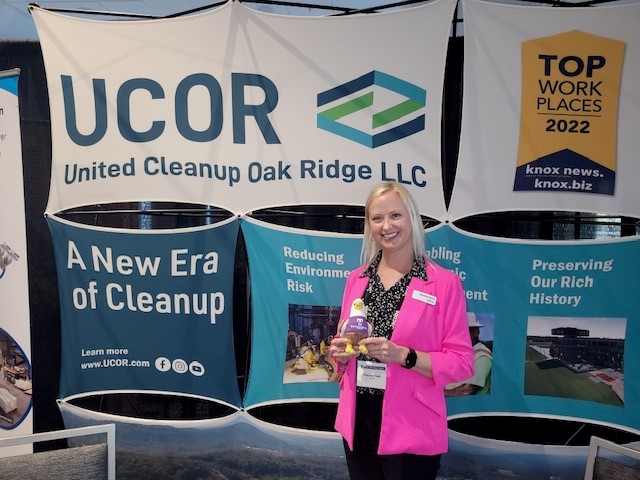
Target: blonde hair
pixel 370 247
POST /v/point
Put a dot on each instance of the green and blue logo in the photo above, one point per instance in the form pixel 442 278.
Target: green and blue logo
pixel 401 99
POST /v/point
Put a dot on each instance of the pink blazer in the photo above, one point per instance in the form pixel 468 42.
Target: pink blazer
pixel 414 416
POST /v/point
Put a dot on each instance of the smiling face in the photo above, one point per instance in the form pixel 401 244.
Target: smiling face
pixel 390 224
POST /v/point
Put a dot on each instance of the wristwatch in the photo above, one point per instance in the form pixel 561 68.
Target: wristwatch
pixel 412 358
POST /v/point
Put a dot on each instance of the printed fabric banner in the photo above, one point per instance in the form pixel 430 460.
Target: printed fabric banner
pixel 234 447
pixel 297 279
pixel 550 112
pixel 246 110
pixel 147 310
pixel 555 333
pixel 15 335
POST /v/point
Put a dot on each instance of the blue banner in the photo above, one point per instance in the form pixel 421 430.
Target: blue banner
pixel 561 327
pixel 297 279
pixel 147 310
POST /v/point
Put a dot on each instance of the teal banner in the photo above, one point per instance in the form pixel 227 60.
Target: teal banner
pixel 297 278
pixel 559 321
pixel 147 310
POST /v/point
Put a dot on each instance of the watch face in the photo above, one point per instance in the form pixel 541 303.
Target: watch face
pixel 412 357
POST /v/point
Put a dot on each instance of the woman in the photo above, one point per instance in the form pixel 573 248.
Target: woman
pixel 392 411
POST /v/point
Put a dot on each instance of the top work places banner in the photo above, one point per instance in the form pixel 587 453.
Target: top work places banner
pixel 550 109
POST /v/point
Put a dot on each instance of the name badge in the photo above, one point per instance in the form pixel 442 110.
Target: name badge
pixel 424 297
pixel 371 374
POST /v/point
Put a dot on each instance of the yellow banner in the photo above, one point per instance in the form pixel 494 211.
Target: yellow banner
pixel 569 112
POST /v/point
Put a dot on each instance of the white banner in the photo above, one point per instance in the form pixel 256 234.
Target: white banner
pixel 15 334
pixel 550 110
pixel 245 110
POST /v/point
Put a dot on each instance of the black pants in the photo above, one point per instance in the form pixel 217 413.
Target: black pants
pixel 365 464
pixel 371 466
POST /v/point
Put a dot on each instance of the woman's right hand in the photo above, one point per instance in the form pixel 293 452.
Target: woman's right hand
pixel 337 350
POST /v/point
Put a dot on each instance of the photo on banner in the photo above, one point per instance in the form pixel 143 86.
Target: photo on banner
pixel 576 357
pixel 481 333
pixel 311 329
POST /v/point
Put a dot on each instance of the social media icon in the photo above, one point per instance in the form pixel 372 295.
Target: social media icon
pixel 180 366
pixel 196 368
pixel 163 364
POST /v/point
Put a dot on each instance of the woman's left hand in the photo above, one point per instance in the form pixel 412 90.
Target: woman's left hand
pixel 384 350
